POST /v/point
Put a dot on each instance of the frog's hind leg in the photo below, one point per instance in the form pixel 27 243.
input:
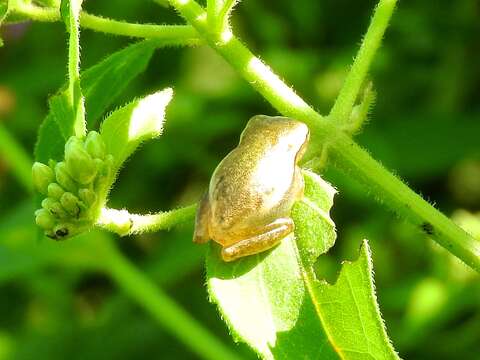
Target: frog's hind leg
pixel 201 234
pixel 270 236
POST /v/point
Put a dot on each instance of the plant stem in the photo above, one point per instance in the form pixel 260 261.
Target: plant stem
pixel 148 31
pixel 123 223
pixel 16 157
pixel 74 90
pixel 178 33
pixel 343 106
pixel 174 319
pixel 383 185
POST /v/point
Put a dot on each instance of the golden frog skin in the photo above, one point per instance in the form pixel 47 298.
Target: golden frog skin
pixel 247 206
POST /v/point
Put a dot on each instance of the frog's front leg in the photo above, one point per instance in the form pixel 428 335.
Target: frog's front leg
pixel 268 238
pixel 201 234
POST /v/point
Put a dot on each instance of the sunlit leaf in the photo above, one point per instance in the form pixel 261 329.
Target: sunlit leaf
pixel 126 128
pixel 274 303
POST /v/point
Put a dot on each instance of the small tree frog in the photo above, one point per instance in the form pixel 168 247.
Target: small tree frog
pixel 247 206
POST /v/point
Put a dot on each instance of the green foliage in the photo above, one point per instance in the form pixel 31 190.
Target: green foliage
pixel 101 84
pixel 84 294
pixel 275 303
pixel 122 66
pixel 77 187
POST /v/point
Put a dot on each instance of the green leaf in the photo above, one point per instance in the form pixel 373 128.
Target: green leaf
pixel 273 302
pixel 350 311
pixel 126 128
pixel 102 83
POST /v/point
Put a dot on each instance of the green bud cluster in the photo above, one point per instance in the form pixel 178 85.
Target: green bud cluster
pixel 73 188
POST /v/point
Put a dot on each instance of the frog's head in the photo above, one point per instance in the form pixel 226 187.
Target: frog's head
pixel 289 134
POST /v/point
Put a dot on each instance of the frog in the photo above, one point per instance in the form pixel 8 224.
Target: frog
pixel 247 206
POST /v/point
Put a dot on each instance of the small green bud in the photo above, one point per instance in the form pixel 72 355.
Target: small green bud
pixel 53 207
pixel 55 191
pixel 94 145
pixel 63 178
pixel 107 168
pixel 42 176
pixel 70 203
pixel 80 164
pixel 99 164
pixel 44 219
pixel 87 196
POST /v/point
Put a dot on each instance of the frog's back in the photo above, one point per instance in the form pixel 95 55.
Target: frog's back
pixel 248 187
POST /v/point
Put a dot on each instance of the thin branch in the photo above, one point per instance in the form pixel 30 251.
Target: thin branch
pixel 123 223
pixel 179 33
pixel 345 101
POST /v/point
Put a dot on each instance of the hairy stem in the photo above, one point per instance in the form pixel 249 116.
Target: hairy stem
pixel 74 90
pixel 382 184
pixel 343 106
pixel 179 33
pixel 123 223
pixel 166 311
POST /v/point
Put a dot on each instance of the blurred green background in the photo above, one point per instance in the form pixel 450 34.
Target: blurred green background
pixel 425 127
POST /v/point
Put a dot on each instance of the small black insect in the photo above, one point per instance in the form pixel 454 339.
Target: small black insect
pixel 427 228
pixel 60 233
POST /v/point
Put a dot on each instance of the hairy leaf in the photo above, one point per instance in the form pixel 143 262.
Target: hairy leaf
pixel 350 311
pixel 274 303
pixel 101 84
pixel 126 128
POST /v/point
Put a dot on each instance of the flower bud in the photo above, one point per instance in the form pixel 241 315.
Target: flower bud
pixel 99 164
pixel 63 178
pixel 70 203
pixel 42 176
pixel 80 164
pixel 55 191
pixel 87 196
pixel 53 207
pixel 44 219
pixel 94 145
pixel 107 167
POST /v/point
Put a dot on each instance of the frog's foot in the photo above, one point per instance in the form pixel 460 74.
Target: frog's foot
pixel 201 234
pixel 270 236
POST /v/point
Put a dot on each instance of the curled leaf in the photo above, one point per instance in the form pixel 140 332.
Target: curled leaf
pixel 126 128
